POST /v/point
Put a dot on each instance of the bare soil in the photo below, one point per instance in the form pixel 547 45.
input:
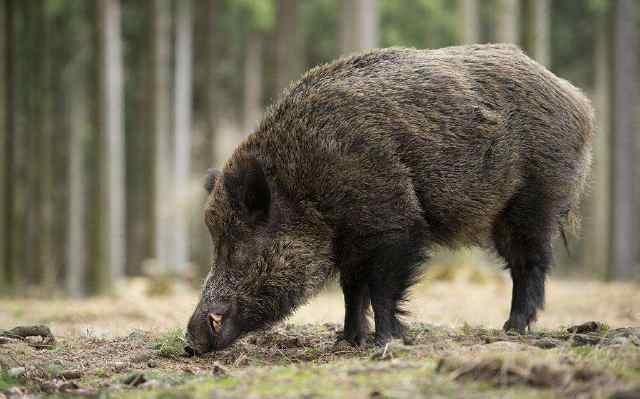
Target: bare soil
pixel 130 346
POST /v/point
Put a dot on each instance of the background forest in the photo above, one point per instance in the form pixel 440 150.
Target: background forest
pixel 111 111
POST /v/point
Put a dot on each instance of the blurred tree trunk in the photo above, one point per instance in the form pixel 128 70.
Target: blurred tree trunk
pixel 366 25
pixel 508 15
pixel 345 29
pixel 252 81
pixel 469 25
pixel 138 137
pixel 160 115
pixel 76 242
pixel 212 90
pixel 50 259
pixel 287 44
pixel 5 180
pixel 539 30
pixel 111 128
pixel 596 229
pixel 79 232
pixel 206 87
pixel 358 26
pixel 623 241
pixel 182 129
pixel 34 96
pixel 12 212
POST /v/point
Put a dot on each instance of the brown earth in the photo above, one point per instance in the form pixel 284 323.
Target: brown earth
pixel 129 345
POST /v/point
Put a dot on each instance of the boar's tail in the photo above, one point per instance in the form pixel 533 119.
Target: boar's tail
pixel 564 240
pixel 570 218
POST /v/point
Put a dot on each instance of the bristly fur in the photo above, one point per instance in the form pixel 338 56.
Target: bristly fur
pixel 365 162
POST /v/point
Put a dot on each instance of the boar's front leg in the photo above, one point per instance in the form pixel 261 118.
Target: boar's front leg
pixel 394 272
pixel 356 304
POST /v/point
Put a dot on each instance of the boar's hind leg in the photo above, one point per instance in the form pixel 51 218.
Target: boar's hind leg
pixel 522 236
pixel 356 303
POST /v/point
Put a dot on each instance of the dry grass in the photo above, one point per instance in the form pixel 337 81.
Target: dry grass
pixel 130 345
pixel 450 303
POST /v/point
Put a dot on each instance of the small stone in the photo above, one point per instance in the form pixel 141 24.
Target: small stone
pixel 590 326
pixel 71 374
pixel 15 392
pixel 586 339
pixel 152 364
pixel 547 343
pixel 119 366
pixel 135 380
pixel 218 370
pixel 151 384
pixel 68 387
pixel 142 357
pixel 16 372
pixel 621 341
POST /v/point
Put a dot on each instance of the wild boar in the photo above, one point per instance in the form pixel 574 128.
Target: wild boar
pixel 367 161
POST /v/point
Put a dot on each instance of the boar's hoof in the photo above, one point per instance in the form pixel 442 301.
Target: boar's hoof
pixel 358 338
pixel 514 325
pixel 382 340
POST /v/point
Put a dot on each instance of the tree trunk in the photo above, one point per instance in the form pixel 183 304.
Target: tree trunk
pixel 508 15
pixel 366 24
pixel 358 26
pixel 212 90
pixel 469 18
pixel 287 44
pixel 35 94
pixel 596 229
pixel 345 28
pixel 25 78
pixel 539 27
pixel 182 131
pixel 9 209
pixel 160 111
pixel 252 81
pixel 4 266
pixel 622 245
pixel 50 255
pixel 76 242
pixel 111 127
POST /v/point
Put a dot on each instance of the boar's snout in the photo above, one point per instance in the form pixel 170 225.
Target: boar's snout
pixel 211 327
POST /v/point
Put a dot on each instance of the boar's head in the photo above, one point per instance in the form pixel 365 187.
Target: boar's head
pixel 270 253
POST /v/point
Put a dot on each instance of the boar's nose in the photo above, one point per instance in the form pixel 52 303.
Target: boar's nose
pixel 189 351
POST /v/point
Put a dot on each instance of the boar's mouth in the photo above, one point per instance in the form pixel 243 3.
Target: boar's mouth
pixel 211 328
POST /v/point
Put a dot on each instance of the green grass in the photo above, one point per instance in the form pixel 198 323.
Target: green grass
pixel 7 381
pixel 354 378
pixel 170 344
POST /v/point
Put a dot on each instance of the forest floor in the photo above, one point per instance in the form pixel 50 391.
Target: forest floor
pixel 129 346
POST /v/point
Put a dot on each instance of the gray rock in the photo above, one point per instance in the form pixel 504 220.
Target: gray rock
pixel 17 372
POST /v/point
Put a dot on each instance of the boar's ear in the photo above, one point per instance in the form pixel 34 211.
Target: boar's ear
pixel 212 176
pixel 251 189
